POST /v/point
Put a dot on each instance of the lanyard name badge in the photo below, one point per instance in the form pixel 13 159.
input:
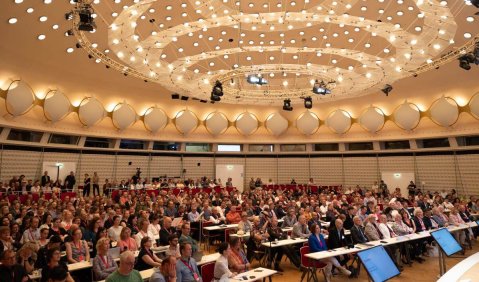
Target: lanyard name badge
pixel 195 275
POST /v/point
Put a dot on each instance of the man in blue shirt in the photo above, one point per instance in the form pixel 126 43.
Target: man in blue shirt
pixel 186 267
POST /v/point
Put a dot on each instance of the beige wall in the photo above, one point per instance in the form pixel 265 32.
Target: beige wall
pixel 437 171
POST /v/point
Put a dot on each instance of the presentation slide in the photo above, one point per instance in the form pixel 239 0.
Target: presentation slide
pixel 446 241
pixel 378 264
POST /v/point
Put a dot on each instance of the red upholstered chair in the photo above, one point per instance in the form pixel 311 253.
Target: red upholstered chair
pixel 208 271
pixel 309 266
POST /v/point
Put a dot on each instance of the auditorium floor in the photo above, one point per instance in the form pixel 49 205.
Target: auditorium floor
pixel 426 272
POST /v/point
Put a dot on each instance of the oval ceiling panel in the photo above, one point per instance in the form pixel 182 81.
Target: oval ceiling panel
pixel 186 121
pixel 123 116
pixel 276 124
pixel 444 111
pixel 216 123
pixel 155 119
pixel 56 106
pixel 474 106
pixel 372 119
pixel 339 121
pixel 307 123
pixel 91 111
pixel 246 123
pixel 20 98
pixel 407 116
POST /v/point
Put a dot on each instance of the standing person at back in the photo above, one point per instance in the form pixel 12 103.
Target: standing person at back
pixel 70 181
pixel 125 272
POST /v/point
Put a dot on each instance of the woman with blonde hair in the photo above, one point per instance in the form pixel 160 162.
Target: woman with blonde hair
pixel 27 255
pixel 126 242
pixel 103 263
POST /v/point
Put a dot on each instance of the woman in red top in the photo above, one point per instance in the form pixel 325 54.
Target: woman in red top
pixel 126 243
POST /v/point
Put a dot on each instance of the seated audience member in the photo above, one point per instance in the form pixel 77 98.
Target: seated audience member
pixel 186 267
pixel 275 233
pixel 103 263
pixel 439 216
pixel 237 260
pixel 318 244
pixel 233 217
pixel 32 233
pixel 77 250
pixel 166 231
pixel 357 231
pixel 54 261
pixel 9 270
pixel 371 230
pixel 221 271
pixel 54 242
pixel 167 271
pixel 146 258
pixel 290 219
pixel 154 228
pixel 143 224
pixel 27 255
pixel 57 229
pixel 115 230
pixel 126 242
pixel 58 274
pixel 6 241
pixel 186 237
pixel 300 228
pixel 245 225
pixel 174 248
pixel 257 236
pixel 125 271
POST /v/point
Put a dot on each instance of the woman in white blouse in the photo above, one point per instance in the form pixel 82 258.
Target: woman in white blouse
pixel 222 272
pixel 154 227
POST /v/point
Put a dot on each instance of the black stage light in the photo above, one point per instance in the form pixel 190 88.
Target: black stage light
pixel 287 105
pixel 86 20
pixel 175 96
pixel 320 88
pixel 308 102
pixel 467 59
pixel 387 88
pixel 69 16
pixel 217 89
pixel 185 98
pixel 475 3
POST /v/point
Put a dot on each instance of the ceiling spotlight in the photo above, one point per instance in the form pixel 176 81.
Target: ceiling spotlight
pixel 217 92
pixel 69 16
pixel 184 98
pixel 69 32
pixel 387 88
pixel 475 3
pixel 175 96
pixel 287 105
pixel 78 45
pixel 308 102
pixel 217 89
pixel 320 88
pixel 467 59
pixel 86 19
pixel 256 79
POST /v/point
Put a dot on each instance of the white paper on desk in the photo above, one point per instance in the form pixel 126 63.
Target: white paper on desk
pixel 401 238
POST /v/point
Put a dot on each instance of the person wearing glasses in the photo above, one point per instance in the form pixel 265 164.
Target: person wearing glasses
pixel 53 261
pixel 125 272
pixel 9 270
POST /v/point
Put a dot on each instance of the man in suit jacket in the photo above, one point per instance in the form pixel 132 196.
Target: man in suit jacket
pixel 348 222
pixel 357 232
pixel 371 229
pixel 337 239
pixel 45 179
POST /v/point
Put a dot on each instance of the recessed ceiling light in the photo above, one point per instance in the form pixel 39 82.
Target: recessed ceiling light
pixel 467 35
pixel 47 1
pixel 30 10
pixel 12 20
pixel 55 26
pixel 41 37
pixel 18 1
pixel 470 19
pixel 70 50
pixel 43 18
